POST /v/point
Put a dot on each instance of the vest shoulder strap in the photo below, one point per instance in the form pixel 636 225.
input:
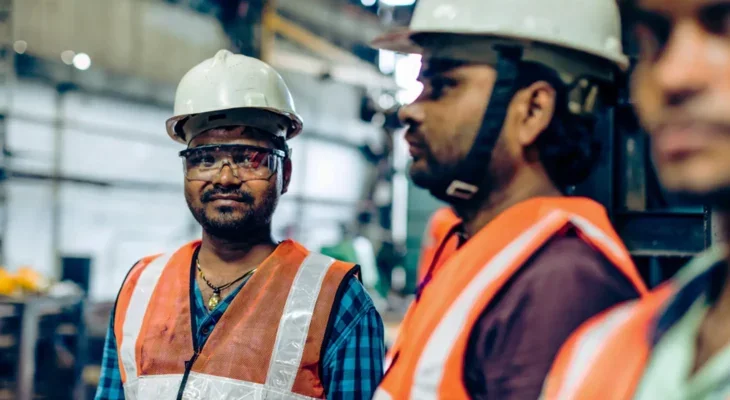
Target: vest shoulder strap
pixel 605 358
pixel 129 312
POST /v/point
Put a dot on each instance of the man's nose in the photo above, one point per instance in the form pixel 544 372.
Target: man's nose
pixel 683 69
pixel 412 114
pixel 227 176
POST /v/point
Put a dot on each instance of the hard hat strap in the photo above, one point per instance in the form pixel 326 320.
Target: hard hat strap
pixel 464 184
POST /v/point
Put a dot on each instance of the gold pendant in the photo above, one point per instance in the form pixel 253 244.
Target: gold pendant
pixel 213 302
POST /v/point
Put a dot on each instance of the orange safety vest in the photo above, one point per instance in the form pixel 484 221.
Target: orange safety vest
pixel 266 345
pixel 427 359
pixel 440 224
pixel 606 358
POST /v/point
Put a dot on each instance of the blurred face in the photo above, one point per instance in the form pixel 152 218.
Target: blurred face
pixel 230 202
pixel 444 120
pixel 681 88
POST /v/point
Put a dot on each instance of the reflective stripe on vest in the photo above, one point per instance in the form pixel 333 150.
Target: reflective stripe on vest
pixel 135 312
pixel 589 346
pixel 289 346
pixel 434 338
pixel 294 324
pixel 606 357
pixel 431 366
pixel 202 387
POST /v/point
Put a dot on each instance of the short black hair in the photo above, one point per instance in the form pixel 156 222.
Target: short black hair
pixel 569 148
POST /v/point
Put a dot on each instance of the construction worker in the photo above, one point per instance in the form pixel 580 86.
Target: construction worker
pixel 675 344
pixel 433 247
pixel 238 315
pixel 504 124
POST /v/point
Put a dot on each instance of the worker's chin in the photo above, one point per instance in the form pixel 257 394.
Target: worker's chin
pixel 422 180
pixel 421 174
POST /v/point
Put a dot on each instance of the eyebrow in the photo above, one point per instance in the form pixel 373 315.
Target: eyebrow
pixel 440 66
pixel 634 9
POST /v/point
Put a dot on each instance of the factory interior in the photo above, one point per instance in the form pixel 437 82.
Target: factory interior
pixel 90 182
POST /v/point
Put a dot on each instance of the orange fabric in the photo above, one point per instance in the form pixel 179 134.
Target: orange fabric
pixel 553 215
pixel 123 303
pixel 438 227
pixel 615 369
pixel 241 346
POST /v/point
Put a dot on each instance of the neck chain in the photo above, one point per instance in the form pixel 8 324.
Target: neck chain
pixel 216 297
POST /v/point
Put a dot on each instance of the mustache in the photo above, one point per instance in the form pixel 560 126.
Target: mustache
pixel 240 195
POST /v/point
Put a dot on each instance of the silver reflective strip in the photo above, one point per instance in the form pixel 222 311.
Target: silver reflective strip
pixel 597 234
pixel 135 313
pixel 294 324
pixel 432 363
pixel 381 394
pixel 589 346
pixel 130 389
pixel 204 387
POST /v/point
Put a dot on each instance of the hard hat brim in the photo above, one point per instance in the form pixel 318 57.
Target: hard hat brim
pixel 402 41
pixel 174 127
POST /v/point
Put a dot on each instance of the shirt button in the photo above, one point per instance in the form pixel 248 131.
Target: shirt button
pixel 206 330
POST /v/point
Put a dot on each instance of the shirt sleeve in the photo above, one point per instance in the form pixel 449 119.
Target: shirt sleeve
pixel 514 343
pixel 353 360
pixel 110 382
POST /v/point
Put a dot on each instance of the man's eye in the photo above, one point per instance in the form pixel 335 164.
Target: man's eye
pixel 201 160
pixel 716 19
pixel 649 46
pixel 441 86
pixel 652 32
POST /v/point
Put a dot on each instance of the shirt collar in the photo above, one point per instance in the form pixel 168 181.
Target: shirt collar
pixel 699 278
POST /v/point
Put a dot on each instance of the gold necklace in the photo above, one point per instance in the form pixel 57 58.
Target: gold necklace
pixel 216 297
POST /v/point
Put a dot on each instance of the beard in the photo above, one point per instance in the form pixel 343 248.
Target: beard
pixel 235 224
pixel 436 177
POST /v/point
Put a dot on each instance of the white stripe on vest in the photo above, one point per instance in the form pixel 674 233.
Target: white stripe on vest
pixel 590 345
pixel 138 303
pixel 286 357
pixel 432 362
pixel 294 324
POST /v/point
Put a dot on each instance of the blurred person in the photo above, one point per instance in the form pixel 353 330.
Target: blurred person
pixel 238 315
pixel 675 344
pixel 504 125
pixel 435 249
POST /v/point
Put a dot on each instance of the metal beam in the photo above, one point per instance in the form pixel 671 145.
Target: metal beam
pixel 664 233
pixel 340 65
pixel 349 24
pixel 7 77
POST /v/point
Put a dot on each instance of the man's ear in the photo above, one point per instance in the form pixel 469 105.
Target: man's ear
pixel 539 108
pixel 287 175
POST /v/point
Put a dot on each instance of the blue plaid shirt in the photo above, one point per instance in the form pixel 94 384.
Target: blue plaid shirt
pixel 353 359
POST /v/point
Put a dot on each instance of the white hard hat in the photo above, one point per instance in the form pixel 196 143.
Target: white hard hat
pixel 232 89
pixel 591 27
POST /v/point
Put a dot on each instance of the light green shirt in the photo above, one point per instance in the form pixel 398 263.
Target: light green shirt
pixel 669 373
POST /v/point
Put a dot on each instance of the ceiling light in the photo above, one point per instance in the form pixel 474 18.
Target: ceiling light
pixel 68 57
pixel 394 3
pixel 82 61
pixel 20 46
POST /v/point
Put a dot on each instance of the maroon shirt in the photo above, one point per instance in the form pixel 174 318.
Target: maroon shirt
pixel 512 347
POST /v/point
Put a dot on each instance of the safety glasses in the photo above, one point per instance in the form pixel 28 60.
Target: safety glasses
pixel 246 162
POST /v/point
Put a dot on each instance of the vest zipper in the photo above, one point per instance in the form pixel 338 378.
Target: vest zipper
pixel 188 367
pixel 197 348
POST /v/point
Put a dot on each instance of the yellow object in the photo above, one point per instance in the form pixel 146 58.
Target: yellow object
pixel 8 285
pixel 30 280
